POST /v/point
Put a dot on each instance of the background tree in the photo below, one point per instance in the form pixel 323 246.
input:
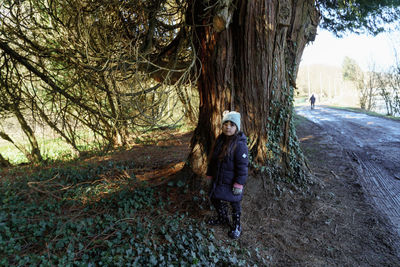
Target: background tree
pixel 353 72
pixel 392 90
pixel 371 87
pixel 391 87
pixel 385 92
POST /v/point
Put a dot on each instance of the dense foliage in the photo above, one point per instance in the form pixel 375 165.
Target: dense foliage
pixel 360 16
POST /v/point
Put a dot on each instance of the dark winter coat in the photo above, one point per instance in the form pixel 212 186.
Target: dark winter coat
pixel 232 169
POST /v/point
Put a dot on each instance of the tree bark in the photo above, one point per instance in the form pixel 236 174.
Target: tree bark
pixel 251 67
pixel 4 163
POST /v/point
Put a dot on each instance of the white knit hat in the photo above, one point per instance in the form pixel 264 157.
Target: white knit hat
pixel 232 116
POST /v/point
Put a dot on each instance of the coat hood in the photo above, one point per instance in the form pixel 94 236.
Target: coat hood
pixel 242 137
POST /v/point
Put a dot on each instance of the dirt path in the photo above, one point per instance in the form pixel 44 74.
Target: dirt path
pixel 374 145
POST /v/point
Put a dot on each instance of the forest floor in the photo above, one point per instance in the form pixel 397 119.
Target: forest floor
pixel 334 224
pixel 331 223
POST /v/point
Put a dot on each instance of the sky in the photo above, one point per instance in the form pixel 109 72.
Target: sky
pixel 364 49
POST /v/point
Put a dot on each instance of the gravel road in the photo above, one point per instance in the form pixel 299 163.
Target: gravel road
pixel 374 145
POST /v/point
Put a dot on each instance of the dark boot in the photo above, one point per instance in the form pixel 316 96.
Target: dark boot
pixel 236 229
pixel 222 216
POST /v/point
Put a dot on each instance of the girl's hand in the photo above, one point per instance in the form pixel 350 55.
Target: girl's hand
pixel 208 181
pixel 237 189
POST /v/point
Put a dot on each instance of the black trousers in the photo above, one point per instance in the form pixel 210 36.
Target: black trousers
pixel 218 204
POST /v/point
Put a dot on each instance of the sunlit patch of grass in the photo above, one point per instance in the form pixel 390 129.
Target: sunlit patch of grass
pixel 56 149
pixel 371 113
pixel 299 101
pixel 52 150
pixel 10 152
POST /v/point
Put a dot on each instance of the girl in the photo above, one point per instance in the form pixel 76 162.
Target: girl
pixel 228 170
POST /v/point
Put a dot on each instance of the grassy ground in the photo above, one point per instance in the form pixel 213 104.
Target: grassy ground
pixel 370 113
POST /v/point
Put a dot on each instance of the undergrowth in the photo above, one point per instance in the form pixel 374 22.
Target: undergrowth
pixel 100 215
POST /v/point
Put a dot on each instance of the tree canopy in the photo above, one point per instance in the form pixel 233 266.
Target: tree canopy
pixel 359 16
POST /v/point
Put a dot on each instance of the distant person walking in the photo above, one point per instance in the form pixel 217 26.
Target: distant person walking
pixel 312 100
pixel 228 170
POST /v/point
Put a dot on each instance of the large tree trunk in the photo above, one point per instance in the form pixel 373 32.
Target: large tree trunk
pixel 250 65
